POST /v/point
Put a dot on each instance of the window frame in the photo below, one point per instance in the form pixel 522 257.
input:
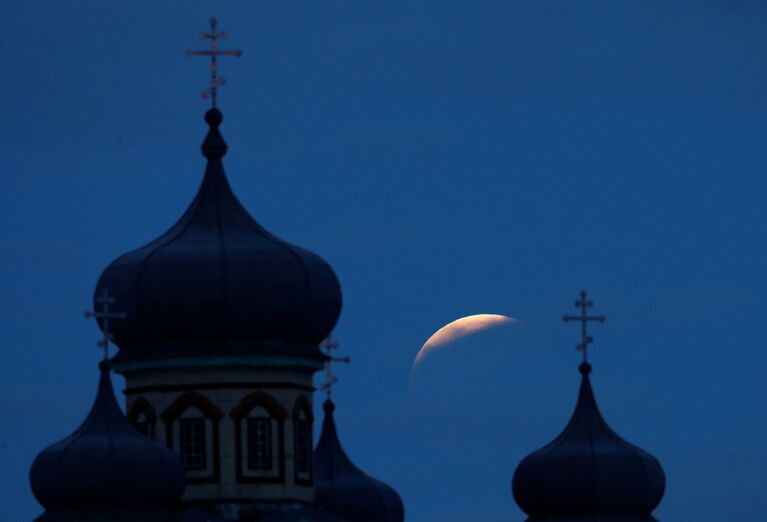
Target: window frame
pixel 303 406
pixel 201 445
pixel 278 416
pixel 250 433
pixel 139 407
pixel 211 415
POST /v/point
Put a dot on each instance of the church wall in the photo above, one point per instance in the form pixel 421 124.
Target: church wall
pixel 216 394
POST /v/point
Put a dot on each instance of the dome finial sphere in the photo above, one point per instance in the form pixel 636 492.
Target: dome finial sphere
pixel 214 117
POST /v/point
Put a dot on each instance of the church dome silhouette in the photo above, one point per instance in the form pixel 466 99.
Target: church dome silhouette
pixel 589 470
pixel 345 491
pixel 107 468
pixel 218 283
pixel 588 473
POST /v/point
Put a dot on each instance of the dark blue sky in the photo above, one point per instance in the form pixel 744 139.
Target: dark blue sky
pixel 447 158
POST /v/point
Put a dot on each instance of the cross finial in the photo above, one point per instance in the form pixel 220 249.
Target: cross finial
pixel 214 53
pixel 105 315
pixel 329 345
pixel 584 304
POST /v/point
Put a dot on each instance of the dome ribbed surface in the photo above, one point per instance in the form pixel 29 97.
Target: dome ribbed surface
pixel 345 491
pixel 217 282
pixel 107 466
pixel 588 473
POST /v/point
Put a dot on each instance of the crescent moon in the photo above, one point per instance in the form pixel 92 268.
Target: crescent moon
pixel 460 328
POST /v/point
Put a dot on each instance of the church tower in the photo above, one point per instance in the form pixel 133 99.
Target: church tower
pixel 588 473
pixel 106 470
pixel 343 489
pixel 219 344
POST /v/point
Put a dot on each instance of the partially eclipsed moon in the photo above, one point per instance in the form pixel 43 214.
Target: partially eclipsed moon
pixel 460 328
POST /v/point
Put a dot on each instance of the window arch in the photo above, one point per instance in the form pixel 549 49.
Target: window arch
pixel 142 416
pixel 302 440
pixel 259 427
pixel 191 428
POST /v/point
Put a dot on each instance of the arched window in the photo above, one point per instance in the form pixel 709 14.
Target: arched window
pixel 302 439
pixel 259 426
pixel 142 416
pixel 260 435
pixel 191 427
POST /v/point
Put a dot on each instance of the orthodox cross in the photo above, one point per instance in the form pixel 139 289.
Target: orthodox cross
pixel 214 53
pixel 584 304
pixel 105 315
pixel 329 345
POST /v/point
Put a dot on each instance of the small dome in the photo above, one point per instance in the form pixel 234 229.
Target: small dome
pixel 342 489
pixel 219 283
pixel 107 466
pixel 589 471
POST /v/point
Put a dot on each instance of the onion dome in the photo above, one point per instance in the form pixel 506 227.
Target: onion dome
pixel 217 283
pixel 106 467
pixel 342 489
pixel 588 473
